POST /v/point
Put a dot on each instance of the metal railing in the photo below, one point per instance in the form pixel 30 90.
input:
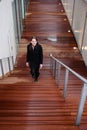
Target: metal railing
pixel 9 65
pixel 56 63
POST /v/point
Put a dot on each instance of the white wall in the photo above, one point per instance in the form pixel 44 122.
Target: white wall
pixel 68 5
pixel 7 37
pixel 79 20
pixel 23 12
pixel 77 14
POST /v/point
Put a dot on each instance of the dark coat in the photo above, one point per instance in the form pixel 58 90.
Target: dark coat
pixel 34 55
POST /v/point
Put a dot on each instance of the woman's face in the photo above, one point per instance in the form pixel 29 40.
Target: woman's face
pixel 34 42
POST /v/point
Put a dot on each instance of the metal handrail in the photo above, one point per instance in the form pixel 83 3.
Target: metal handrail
pixel 9 65
pixel 84 80
pixel 72 71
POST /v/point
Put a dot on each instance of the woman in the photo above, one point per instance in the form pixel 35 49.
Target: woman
pixel 34 58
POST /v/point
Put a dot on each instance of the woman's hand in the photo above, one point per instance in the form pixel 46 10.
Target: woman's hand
pixel 27 64
pixel 41 65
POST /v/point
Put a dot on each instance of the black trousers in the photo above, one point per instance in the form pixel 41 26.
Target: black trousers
pixel 34 69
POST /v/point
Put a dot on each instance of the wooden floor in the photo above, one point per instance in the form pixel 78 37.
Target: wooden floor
pixel 29 105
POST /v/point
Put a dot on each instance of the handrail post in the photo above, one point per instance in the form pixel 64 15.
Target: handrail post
pixel 65 83
pixel 81 104
pixel 59 69
pixel 2 68
pixel 54 69
pixel 9 65
pixel 12 61
pixel 50 64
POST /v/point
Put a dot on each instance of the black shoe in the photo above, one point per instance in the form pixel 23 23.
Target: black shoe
pixel 30 72
pixel 33 76
pixel 35 79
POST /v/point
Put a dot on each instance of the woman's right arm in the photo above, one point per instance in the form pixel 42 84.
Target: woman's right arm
pixel 27 57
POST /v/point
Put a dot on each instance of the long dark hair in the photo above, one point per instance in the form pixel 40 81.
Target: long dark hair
pixel 33 37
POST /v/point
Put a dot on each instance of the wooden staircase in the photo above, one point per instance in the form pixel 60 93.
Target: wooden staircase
pixel 29 105
pixel 25 104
